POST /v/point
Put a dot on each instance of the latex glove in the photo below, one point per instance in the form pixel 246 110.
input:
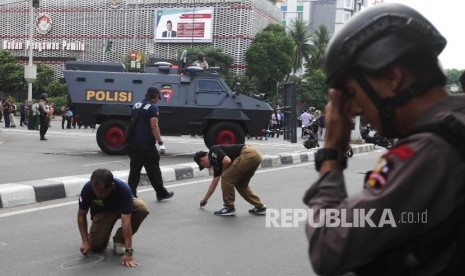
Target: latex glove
pixel 162 149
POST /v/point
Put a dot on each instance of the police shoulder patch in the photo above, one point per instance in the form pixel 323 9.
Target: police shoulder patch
pixel 403 152
pixel 378 177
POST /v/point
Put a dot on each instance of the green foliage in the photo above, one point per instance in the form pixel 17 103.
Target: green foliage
pixel 58 102
pixel 56 89
pixel 12 80
pixel 248 84
pixel 44 78
pixel 269 58
pixel 300 34
pixel 312 89
pixel 126 60
pixel 453 76
pixel 320 41
pixel 214 56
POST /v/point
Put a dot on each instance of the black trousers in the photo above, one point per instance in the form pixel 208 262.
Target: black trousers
pixel 22 119
pixel 43 125
pixel 148 157
pixel 6 116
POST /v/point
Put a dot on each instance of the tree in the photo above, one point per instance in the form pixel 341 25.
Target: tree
pixel 300 34
pixel 320 40
pixel 248 84
pixel 313 90
pixel 56 89
pixel 453 76
pixel 269 58
pixel 214 56
pixel 45 76
pixel 12 80
pixel 127 63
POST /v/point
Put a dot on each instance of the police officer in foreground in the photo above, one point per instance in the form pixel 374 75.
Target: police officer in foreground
pixel 142 147
pixel 409 218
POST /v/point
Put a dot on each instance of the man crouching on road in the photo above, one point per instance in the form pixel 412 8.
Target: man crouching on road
pixel 235 164
pixel 109 199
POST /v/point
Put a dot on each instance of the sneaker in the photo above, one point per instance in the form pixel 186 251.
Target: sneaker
pixel 167 196
pixel 119 248
pixel 226 212
pixel 258 211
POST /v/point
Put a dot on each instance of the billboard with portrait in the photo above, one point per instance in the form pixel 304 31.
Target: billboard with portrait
pixel 184 25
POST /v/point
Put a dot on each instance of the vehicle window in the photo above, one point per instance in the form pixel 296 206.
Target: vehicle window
pixel 209 85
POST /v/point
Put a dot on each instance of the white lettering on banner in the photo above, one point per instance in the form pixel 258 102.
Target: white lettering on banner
pixel 43 46
pixel 12 45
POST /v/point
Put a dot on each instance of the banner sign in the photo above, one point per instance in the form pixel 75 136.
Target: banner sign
pixel 184 25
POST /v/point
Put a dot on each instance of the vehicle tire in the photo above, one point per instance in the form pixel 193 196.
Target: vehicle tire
pixel 224 133
pixel 111 137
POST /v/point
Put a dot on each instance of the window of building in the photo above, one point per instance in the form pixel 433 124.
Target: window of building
pixel 347 16
pixel 348 4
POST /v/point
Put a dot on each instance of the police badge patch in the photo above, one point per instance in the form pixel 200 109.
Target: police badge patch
pixel 378 177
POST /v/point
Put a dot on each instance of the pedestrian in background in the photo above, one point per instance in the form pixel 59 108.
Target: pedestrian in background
pixel 305 120
pixel 387 71
pixel 321 126
pixel 44 116
pixel 35 116
pixel 142 147
pixel 1 110
pixel 109 199
pixel 234 165
pixel 6 112
pixel 22 113
pixel 275 123
pixel 12 112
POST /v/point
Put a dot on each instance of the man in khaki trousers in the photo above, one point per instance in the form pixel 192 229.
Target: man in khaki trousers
pixel 234 165
pixel 109 199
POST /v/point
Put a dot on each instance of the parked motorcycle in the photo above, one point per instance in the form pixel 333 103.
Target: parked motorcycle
pixel 373 138
pixel 311 138
pixel 310 135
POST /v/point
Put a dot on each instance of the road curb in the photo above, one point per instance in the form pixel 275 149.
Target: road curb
pixel 35 191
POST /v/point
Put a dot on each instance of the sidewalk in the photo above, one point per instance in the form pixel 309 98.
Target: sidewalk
pixel 22 193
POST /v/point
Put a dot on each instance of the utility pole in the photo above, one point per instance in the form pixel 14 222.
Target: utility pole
pixel 30 70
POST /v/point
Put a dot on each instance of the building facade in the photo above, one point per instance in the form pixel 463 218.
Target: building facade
pixel 109 30
pixel 331 13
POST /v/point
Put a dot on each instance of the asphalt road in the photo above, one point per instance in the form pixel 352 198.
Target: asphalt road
pixel 178 237
pixel 75 152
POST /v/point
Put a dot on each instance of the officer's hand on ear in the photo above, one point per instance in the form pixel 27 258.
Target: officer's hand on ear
pixel 338 120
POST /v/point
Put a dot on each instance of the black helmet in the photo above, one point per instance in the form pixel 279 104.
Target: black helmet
pixel 377 37
pixel 201 55
pixel 43 96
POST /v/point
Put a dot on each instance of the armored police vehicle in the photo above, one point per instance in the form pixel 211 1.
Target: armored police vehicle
pixel 194 101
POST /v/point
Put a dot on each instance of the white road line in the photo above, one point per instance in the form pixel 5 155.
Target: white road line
pixel 98 164
pixel 58 205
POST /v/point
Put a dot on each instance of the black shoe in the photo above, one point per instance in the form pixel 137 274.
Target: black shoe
pixel 43 139
pixel 167 196
pixel 258 211
pixel 225 212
